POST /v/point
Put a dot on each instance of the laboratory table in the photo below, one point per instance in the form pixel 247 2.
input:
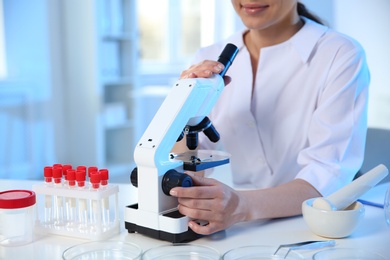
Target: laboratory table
pixel 372 234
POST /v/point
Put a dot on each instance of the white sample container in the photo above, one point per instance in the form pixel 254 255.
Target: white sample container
pixel 16 217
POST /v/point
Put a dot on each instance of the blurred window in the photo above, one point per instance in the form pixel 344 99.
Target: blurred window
pixel 3 67
pixel 171 31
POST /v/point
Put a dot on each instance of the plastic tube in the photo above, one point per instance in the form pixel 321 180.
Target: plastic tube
pixel 48 178
pixel 105 200
pixel 95 216
pixel 82 203
pixel 58 213
pixel 70 202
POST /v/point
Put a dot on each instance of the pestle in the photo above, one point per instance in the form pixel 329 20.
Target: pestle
pixel 347 195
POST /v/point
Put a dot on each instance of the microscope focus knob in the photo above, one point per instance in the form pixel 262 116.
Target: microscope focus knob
pixel 134 177
pixel 173 178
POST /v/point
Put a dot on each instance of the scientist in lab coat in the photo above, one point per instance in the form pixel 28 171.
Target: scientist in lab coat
pixel 293 116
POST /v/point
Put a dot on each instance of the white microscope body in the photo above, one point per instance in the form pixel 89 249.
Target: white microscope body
pixel 188 103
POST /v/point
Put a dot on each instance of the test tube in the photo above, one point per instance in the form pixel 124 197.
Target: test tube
pixel 56 165
pixel 70 203
pixel 82 203
pixel 105 200
pixel 95 216
pixel 48 177
pixel 58 200
pixel 104 178
pixel 65 169
pixel 82 168
pixel 92 169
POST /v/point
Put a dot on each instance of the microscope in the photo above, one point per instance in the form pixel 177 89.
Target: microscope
pixel 183 113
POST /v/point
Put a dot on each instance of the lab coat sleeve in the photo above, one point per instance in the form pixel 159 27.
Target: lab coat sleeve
pixel 336 135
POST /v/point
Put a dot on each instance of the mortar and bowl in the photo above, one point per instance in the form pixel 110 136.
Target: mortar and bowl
pixel 339 214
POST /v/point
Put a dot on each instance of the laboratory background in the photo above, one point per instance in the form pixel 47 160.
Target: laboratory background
pixel 81 79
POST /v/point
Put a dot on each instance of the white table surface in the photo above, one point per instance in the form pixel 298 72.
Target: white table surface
pixel 372 234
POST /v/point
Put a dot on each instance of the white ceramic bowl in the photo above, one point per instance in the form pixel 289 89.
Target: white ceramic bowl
pixel 332 224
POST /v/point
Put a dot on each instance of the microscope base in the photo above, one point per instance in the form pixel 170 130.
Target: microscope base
pixel 161 235
pixel 175 217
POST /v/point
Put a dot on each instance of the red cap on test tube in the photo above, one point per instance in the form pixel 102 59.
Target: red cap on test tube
pixel 71 175
pixel 104 176
pixel 82 167
pixel 57 174
pixel 95 180
pixel 92 169
pixel 80 178
pixel 48 173
pixel 65 169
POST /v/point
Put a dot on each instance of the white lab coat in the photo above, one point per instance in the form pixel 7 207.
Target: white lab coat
pixel 307 117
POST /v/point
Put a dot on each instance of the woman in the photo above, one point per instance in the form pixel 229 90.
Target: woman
pixel 293 117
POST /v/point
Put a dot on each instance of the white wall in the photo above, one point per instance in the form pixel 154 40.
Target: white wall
pixel 369 23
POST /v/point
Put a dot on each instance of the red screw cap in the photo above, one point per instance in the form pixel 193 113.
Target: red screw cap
pixel 48 173
pixel 71 177
pixel 57 174
pixel 80 177
pixel 104 176
pixel 92 169
pixel 65 169
pixel 95 179
pixel 15 199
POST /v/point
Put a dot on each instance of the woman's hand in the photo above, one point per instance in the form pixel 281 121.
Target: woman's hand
pixel 205 69
pixel 212 201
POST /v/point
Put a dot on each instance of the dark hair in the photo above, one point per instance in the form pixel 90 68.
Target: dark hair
pixel 302 10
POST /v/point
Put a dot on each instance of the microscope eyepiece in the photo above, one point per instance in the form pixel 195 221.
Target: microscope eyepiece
pixel 227 56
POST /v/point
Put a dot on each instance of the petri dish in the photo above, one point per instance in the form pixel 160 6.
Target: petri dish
pixel 114 250
pixel 346 253
pixel 260 252
pixel 386 206
pixel 181 251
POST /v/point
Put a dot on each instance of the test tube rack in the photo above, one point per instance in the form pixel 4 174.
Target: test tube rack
pixel 95 225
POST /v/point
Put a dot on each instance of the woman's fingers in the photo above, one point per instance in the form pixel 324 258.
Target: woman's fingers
pixel 205 229
pixel 203 69
pixel 209 200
